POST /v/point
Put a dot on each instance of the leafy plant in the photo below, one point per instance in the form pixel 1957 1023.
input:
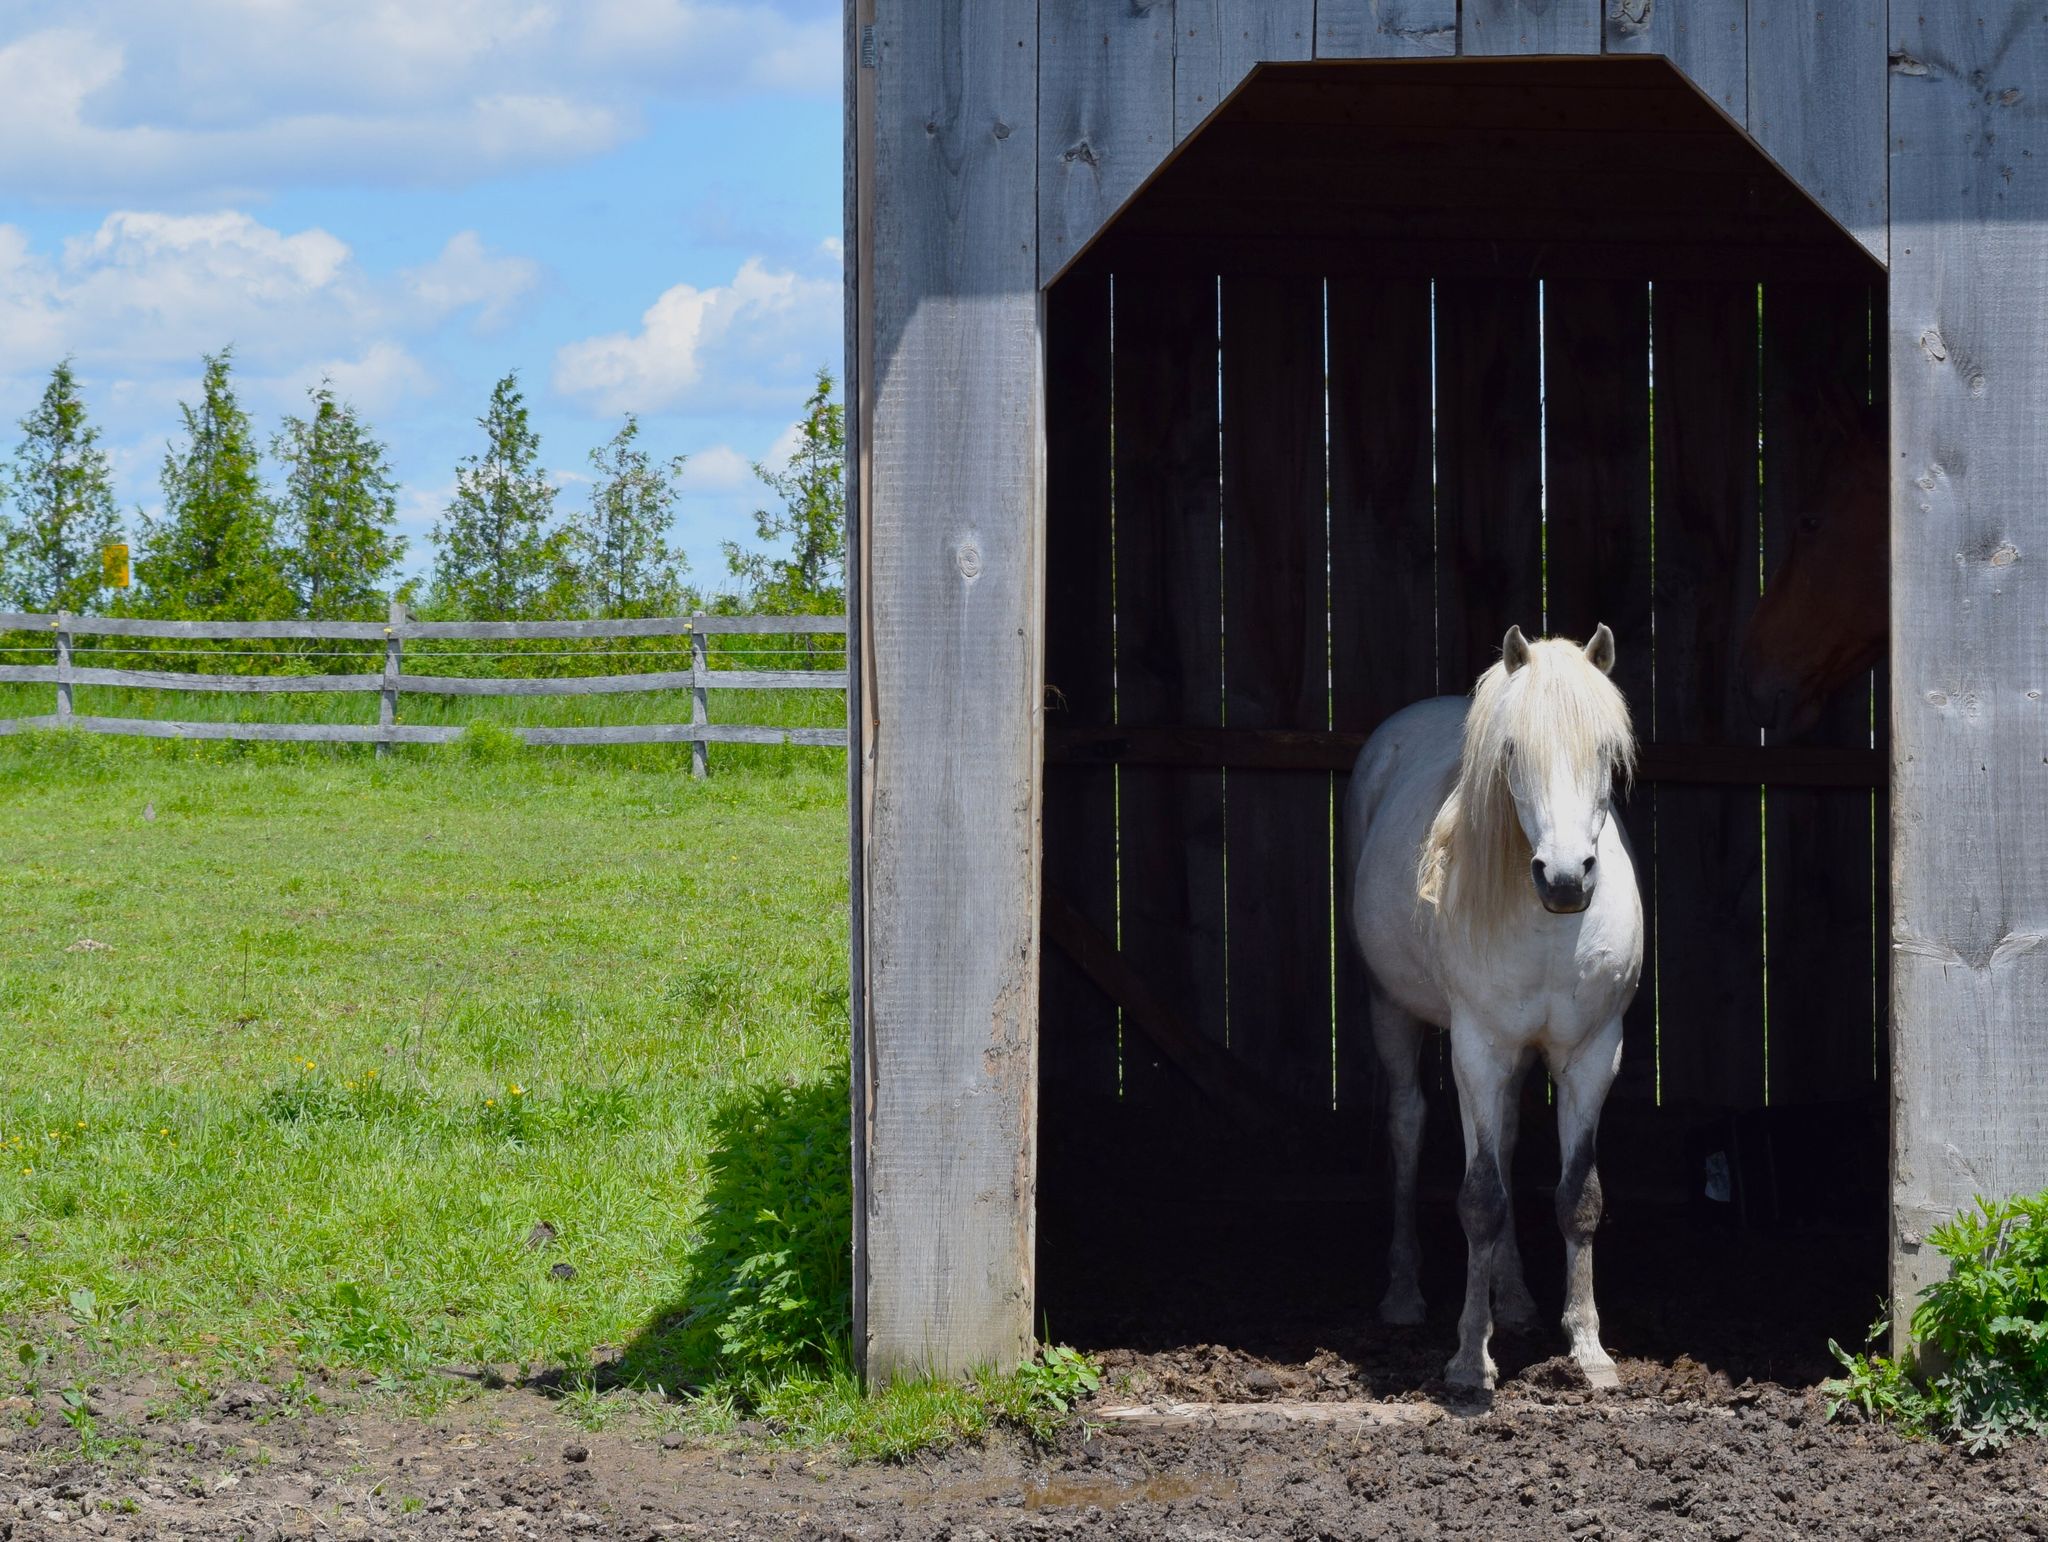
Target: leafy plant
pixel 772 1290
pixel 1060 1377
pixel 1987 1324
pixel 355 1325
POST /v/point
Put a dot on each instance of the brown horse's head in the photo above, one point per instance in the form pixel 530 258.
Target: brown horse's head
pixel 1824 614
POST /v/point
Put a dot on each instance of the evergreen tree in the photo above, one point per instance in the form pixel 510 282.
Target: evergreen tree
pixel 627 567
pixel 340 502
pixel 811 580
pixel 497 555
pixel 214 552
pixel 63 496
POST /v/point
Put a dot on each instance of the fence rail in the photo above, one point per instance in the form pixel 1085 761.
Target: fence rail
pixel 393 682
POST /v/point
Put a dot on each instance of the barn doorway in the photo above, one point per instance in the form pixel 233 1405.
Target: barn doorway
pixel 1391 355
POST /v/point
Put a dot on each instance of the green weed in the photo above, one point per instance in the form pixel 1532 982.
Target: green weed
pixel 1987 1324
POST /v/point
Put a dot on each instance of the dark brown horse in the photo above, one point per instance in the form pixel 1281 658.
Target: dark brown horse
pixel 1824 616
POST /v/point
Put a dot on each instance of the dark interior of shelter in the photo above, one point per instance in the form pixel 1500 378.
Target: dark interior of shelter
pixel 1388 356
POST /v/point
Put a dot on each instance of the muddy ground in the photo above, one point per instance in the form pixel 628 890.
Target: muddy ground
pixel 1679 1452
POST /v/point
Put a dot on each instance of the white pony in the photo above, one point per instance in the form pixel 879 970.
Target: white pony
pixel 1492 896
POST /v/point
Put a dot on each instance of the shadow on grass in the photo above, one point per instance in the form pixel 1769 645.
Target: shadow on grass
pixel 771 1270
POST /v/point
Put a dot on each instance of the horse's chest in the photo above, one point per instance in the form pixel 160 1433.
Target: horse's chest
pixel 1544 982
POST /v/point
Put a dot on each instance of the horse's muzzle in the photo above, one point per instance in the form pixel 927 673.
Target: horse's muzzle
pixel 1561 897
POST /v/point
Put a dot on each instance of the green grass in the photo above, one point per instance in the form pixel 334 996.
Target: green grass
pixel 296 1067
pixel 357 1028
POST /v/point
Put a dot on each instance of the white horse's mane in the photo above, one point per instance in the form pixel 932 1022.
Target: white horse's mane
pixel 1558 708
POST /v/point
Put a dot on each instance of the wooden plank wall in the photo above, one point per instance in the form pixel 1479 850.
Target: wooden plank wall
pixel 1126 83
pixel 1078 1040
pixel 1169 570
pixel 1969 391
pixel 1482 455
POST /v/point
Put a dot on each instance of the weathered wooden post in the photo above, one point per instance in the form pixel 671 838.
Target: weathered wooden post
pixel 945 679
pixel 63 629
pixel 700 705
pixel 1969 387
pixel 387 702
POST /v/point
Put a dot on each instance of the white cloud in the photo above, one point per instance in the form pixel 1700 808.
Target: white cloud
pixel 108 98
pixel 720 469
pixel 377 380
pixel 465 275
pixel 145 291
pixel 747 344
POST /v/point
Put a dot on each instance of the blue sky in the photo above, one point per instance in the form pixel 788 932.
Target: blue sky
pixel 635 203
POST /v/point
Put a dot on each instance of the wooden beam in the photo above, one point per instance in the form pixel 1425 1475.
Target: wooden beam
pixel 1287 749
pixel 951 685
pixel 1969 387
pixel 1224 1079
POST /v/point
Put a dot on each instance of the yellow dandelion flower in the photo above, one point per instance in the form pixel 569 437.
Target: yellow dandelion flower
pixel 163 1132
pixel 490 1102
pixel 26 1171
pixel 518 1091
pixel 81 1124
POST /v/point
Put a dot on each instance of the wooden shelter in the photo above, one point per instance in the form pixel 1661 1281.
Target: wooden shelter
pixel 1229 373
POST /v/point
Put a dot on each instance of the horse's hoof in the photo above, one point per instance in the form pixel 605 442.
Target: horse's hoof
pixel 1464 1376
pixel 1403 1311
pixel 1600 1374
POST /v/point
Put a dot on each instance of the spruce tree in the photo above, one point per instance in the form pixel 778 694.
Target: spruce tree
pixel 623 556
pixel 214 551
pixel 498 556
pixel 336 516
pixel 811 580
pixel 63 496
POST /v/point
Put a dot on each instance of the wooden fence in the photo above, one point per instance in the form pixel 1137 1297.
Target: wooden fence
pixel 700 679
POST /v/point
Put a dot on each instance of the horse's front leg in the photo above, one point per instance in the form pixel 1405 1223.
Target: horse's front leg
pixel 1582 1083
pixel 1485 1065
pixel 1513 1307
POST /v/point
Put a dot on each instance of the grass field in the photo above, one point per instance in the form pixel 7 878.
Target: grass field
pixel 302 1047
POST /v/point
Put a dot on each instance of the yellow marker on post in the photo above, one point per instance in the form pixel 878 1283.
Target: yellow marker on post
pixel 114 564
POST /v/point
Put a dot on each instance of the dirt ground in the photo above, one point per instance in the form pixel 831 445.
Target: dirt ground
pixel 1679 1452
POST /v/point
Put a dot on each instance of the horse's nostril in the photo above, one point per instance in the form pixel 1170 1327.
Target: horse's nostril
pixel 1536 868
pixel 1589 864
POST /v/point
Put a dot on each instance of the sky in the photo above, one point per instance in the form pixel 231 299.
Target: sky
pixel 633 203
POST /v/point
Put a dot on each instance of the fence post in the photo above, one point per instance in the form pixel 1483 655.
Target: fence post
pixel 700 705
pixel 63 628
pixel 387 703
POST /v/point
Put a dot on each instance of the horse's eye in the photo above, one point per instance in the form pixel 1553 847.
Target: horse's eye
pixel 1810 523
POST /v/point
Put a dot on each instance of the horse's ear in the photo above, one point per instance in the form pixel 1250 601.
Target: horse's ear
pixel 1600 651
pixel 1514 649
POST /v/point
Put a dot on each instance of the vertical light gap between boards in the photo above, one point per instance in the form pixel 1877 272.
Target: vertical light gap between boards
pixel 1763 796
pixel 1436 558
pixel 1222 656
pixel 1330 698
pixel 1116 770
pixel 1656 944
pixel 1542 470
